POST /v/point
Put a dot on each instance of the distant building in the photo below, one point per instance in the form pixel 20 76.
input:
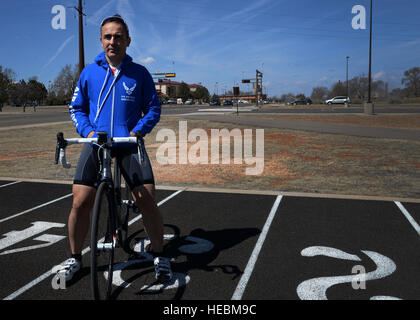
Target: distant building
pixel 163 87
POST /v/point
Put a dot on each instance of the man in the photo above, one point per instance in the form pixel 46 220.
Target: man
pixel 118 96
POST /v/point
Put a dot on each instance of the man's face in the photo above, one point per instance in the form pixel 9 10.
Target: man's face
pixel 114 41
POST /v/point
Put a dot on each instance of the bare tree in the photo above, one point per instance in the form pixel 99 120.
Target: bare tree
pixel 63 86
pixel 411 80
pixel 319 94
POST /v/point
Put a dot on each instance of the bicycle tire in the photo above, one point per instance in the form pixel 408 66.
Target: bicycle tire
pixel 122 195
pixel 102 235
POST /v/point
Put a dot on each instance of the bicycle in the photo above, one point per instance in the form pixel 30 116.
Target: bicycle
pixel 109 227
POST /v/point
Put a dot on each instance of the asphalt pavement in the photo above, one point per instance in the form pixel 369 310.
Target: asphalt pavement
pixel 224 246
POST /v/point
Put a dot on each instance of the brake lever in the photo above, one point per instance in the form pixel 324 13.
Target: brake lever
pixel 60 151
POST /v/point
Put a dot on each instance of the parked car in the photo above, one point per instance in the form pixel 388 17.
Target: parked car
pixel 172 101
pixel 305 101
pixel 338 100
pixel 215 102
pixel 228 103
pixel 242 101
pixel 189 101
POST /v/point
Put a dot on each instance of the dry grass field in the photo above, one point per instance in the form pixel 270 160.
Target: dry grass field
pixel 294 161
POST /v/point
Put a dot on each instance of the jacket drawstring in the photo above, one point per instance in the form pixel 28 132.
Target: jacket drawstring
pixel 106 96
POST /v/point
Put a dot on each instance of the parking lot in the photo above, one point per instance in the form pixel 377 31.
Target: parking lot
pixel 224 246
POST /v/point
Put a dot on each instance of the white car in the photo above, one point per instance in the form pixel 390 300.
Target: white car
pixel 338 100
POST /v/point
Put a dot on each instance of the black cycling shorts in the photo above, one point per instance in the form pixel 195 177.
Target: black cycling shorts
pixel 128 160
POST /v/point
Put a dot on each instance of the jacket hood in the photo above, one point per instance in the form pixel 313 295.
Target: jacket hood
pixel 101 60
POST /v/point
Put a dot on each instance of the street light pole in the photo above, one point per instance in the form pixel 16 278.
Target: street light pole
pixel 370 55
pixel 369 104
pixel 347 77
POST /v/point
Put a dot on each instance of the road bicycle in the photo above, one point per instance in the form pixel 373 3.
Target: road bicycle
pixel 109 227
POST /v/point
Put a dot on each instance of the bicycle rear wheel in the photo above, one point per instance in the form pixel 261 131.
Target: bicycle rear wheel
pixel 102 243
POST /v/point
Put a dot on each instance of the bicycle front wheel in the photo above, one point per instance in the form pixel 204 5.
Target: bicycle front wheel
pixel 102 243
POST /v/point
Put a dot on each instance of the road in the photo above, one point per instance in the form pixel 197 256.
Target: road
pixel 60 114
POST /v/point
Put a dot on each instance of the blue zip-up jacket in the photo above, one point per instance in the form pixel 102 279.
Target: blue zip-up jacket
pixel 116 104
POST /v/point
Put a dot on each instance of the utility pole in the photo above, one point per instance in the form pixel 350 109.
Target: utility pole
pixel 258 85
pixel 369 104
pixel 79 9
pixel 370 55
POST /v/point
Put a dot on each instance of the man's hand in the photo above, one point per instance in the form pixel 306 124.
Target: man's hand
pixel 132 134
pixel 90 135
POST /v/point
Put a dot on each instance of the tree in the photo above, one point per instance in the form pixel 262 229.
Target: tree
pixel 64 85
pixel 4 84
pixel 411 80
pixel 286 98
pixel 320 94
pixel 184 91
pixel 36 91
pixel 359 86
pixel 18 92
pixel 201 94
pixel 338 89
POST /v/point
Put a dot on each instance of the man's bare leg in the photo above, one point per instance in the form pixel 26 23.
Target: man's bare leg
pixel 145 198
pixel 79 218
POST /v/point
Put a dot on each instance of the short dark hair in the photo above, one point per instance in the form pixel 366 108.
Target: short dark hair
pixel 116 18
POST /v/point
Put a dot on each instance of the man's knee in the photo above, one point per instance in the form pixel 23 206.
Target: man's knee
pixel 83 197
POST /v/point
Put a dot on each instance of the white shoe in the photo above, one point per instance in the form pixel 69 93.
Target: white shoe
pixel 163 269
pixel 70 267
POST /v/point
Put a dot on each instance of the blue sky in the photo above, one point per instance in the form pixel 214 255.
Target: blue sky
pixel 297 44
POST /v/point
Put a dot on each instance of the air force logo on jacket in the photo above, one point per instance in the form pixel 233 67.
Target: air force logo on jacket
pixel 129 90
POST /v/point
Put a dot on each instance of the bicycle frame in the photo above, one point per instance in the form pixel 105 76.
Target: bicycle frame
pixel 110 186
pixel 104 143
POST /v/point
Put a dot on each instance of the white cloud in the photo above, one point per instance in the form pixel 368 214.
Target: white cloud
pixel 147 60
pixel 379 75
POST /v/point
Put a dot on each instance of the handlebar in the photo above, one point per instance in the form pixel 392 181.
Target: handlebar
pixel 102 140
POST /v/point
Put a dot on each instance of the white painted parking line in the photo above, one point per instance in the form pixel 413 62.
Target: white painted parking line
pixel 35 208
pixel 410 219
pixel 9 184
pixel 86 250
pixel 240 288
